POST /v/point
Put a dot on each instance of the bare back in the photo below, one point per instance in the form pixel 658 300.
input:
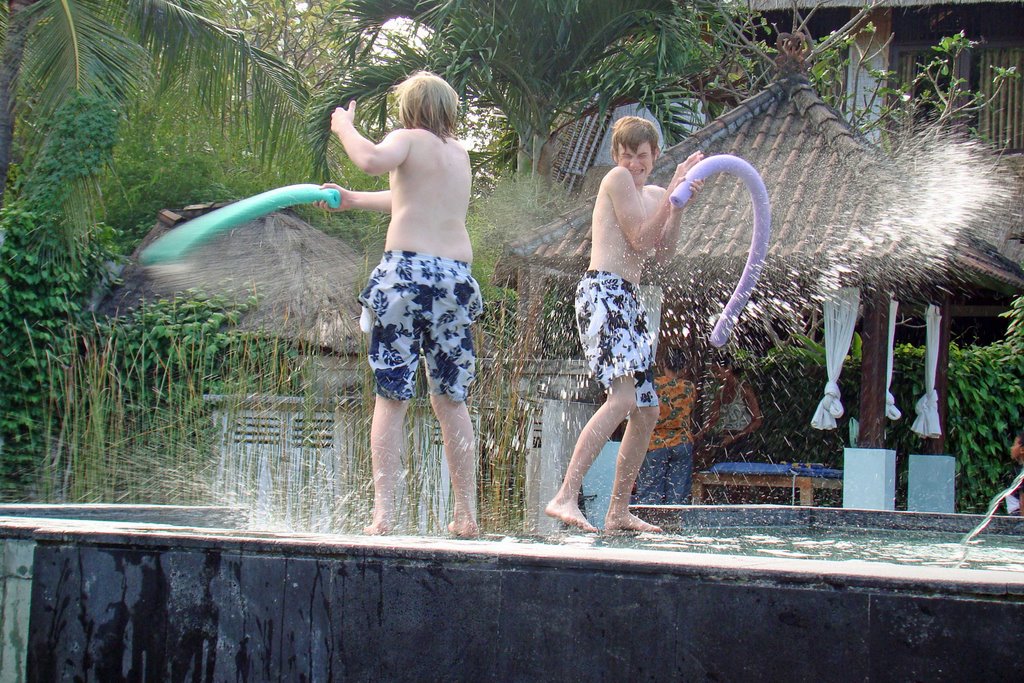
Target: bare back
pixel 430 193
pixel 610 251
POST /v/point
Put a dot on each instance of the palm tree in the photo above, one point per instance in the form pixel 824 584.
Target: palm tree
pixel 54 50
pixel 540 62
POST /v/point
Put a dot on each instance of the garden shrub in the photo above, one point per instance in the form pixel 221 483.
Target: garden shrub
pixel 985 406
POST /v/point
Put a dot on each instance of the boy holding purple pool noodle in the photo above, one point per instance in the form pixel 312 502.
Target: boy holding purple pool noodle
pixel 632 222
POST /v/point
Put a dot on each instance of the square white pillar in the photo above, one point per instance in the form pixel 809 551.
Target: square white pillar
pixel 931 483
pixel 561 423
pixel 869 478
pixel 598 482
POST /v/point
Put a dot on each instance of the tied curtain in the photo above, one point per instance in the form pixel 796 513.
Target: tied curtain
pixel 891 411
pixel 927 422
pixel 840 319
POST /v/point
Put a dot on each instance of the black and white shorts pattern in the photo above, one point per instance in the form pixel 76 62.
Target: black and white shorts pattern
pixel 613 330
pixel 422 303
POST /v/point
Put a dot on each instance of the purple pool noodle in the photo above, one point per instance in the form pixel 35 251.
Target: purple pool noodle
pixel 758 243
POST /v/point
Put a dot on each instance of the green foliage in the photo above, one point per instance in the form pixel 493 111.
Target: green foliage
pixel 127 416
pixel 539 62
pixel 40 299
pixel 170 155
pixel 1015 329
pixel 45 275
pixel 936 91
pixel 985 406
pixel 79 140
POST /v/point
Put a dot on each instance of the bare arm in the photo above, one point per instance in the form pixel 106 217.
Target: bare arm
pixel 370 157
pixel 367 201
pixel 640 232
pixel 668 240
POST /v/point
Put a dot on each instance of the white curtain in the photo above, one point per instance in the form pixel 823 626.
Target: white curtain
pixel 891 411
pixel 927 422
pixel 840 319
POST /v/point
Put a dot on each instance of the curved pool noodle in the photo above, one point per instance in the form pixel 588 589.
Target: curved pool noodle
pixel 727 163
pixel 176 243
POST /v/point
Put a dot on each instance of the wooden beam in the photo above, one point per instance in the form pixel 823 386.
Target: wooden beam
pixel 937 446
pixel 874 334
pixel 978 311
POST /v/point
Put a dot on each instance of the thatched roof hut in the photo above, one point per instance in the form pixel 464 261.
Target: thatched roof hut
pixel 305 282
pixel 844 214
pixel 833 194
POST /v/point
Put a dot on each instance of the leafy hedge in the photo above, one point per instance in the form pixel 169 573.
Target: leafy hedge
pixel 47 270
pixel 985 407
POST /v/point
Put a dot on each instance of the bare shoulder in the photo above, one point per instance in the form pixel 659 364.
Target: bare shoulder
pixel 654 191
pixel 615 181
pixel 616 174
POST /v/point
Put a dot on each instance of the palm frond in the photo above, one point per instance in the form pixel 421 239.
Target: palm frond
pixel 75 50
pixel 218 66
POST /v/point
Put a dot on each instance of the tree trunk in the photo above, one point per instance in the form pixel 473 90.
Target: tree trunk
pixel 874 335
pixel 18 25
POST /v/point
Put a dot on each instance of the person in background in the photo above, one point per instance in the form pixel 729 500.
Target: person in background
pixel 666 475
pixel 734 415
pixel 1013 506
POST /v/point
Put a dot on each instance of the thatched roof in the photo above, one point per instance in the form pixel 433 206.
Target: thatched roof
pixel 832 194
pixel 305 281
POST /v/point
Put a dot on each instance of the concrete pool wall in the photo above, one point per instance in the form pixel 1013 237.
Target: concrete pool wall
pixel 131 602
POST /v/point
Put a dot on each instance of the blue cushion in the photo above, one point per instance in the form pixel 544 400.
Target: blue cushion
pixel 802 469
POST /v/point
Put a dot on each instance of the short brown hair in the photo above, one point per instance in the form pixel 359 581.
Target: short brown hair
pixel 426 101
pixel 630 132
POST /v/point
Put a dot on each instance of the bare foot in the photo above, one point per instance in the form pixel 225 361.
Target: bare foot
pixel 464 528
pixel 570 514
pixel 629 522
pixel 378 527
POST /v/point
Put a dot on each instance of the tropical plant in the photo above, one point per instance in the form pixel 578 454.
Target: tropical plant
pixel 45 277
pixel 54 50
pixel 539 62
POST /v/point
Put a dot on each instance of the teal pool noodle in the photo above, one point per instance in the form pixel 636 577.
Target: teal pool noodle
pixel 176 243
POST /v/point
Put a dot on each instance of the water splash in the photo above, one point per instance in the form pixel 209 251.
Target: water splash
pixel 965 543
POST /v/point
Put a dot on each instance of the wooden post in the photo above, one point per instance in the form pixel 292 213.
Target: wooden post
pixel 529 313
pixel 874 336
pixel 937 445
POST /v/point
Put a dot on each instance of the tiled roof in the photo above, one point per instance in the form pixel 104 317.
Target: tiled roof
pixel 821 176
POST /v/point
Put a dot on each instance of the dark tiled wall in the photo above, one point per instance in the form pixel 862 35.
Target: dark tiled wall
pixel 108 613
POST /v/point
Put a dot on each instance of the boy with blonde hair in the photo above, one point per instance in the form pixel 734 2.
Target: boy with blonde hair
pixel 632 222
pixel 422 296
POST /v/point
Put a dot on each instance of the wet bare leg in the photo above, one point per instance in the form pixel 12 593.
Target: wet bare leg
pixel 387 441
pixel 631 457
pixel 457 434
pixel 564 506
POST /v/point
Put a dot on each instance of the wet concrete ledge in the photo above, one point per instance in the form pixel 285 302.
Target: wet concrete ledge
pixel 218 516
pixel 115 602
pixel 683 518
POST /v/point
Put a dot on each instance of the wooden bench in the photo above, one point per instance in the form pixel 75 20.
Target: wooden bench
pixel 795 482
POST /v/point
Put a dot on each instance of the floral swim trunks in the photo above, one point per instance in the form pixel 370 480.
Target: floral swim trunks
pixel 422 303
pixel 613 331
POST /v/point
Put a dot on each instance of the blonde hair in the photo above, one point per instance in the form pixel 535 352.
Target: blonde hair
pixel 426 101
pixel 632 131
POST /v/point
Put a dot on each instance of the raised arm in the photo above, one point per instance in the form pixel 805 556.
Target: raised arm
pixel 668 240
pixel 640 231
pixel 370 157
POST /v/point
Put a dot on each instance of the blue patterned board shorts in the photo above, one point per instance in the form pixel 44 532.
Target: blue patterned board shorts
pixel 613 331
pixel 422 303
